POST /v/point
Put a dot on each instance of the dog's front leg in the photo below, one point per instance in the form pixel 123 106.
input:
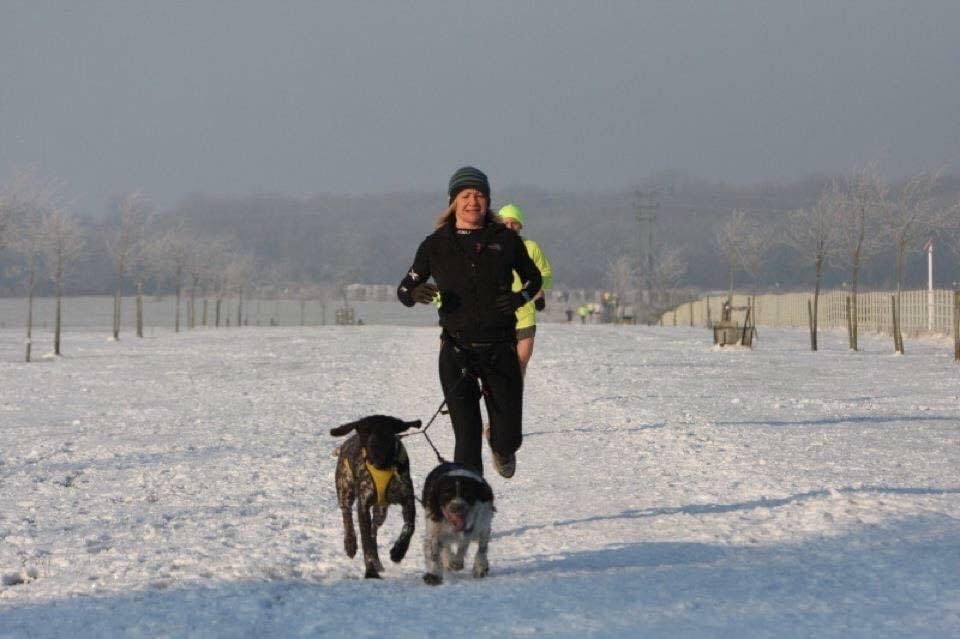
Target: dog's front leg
pixel 349 534
pixel 399 550
pixel 482 527
pixel 480 564
pixel 455 562
pixel 379 516
pixel 346 495
pixel 369 541
pixel 431 554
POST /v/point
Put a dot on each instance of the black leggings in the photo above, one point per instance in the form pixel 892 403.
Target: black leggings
pixel 462 369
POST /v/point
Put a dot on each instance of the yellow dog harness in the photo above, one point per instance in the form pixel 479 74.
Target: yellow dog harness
pixel 381 477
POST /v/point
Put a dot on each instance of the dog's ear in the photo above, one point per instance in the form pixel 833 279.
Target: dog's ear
pixel 343 429
pixel 432 503
pixel 402 425
pixel 486 492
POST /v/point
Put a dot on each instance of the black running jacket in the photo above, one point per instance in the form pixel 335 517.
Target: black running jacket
pixel 470 278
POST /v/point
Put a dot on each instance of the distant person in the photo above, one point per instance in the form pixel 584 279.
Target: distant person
pixel 569 313
pixel 513 219
pixel 582 311
pixel 472 257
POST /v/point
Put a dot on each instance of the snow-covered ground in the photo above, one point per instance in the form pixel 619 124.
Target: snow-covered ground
pixel 182 485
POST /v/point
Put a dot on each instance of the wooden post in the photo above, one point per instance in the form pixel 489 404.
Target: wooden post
pixel 899 330
pixel 849 324
pixel 744 340
pixel 894 323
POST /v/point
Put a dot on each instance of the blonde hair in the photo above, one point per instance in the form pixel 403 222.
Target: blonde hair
pixel 449 217
pixel 445 218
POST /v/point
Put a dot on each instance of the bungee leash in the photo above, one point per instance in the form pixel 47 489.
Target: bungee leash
pixel 464 374
pixel 423 431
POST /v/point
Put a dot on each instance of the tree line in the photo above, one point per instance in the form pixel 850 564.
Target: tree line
pixel 45 240
pixel 855 218
pixel 672 237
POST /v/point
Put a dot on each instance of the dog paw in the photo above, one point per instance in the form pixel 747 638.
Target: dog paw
pixel 431 579
pixel 480 570
pixel 350 546
pixel 399 551
pixel 372 574
pixel 455 563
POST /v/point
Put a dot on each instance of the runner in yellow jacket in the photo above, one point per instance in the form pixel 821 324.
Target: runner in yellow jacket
pixel 513 218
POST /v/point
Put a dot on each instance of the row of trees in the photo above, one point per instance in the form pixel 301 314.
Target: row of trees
pixel 36 222
pixel 837 226
pixel 854 218
pixel 38 226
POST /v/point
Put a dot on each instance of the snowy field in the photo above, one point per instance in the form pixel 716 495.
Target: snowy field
pixel 182 486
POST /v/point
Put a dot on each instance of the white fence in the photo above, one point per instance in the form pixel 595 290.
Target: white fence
pixel 923 311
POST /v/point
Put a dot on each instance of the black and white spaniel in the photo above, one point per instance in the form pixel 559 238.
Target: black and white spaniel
pixel 458 504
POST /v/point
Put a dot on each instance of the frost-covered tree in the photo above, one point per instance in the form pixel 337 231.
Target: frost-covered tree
pixel 864 196
pixel 621 276
pixel 669 270
pixel 171 253
pixel 124 242
pixel 730 241
pixel 910 213
pixel 199 262
pixel 754 246
pixel 812 233
pixel 239 273
pixel 26 201
pixel 60 244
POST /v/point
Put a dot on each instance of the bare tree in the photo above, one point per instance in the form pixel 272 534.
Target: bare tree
pixel 908 215
pixel 812 233
pixel 221 255
pixel 172 251
pixel 239 271
pixel 730 240
pixel 670 268
pixel 122 245
pixel 199 262
pixel 621 276
pixel 274 277
pixel 60 244
pixel 864 196
pixel 754 245
pixel 28 245
pixel 26 201
pixel 141 267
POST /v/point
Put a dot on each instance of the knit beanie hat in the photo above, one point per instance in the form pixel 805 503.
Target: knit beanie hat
pixel 512 212
pixel 468 177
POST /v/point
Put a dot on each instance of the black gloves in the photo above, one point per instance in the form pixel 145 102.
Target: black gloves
pixel 539 303
pixel 509 302
pixel 424 293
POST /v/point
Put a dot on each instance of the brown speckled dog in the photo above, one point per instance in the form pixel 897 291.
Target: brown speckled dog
pixel 373 468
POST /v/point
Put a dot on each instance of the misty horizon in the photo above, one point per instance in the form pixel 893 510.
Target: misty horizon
pixel 301 99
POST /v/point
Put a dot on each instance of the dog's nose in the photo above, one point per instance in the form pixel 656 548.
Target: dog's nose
pixel 459 506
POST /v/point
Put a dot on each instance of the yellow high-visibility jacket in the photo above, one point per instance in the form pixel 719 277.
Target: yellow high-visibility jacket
pixel 527 314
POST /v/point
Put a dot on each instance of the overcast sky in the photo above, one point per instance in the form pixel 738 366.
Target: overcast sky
pixel 358 97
